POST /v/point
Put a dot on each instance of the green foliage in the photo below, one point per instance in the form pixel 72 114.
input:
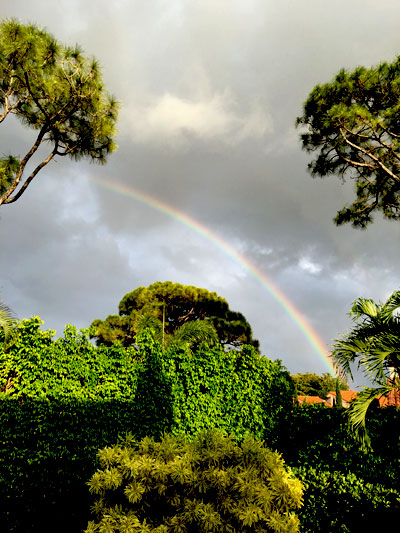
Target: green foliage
pixel 57 92
pixel 353 125
pixel 61 400
pixel 34 365
pixel 208 484
pixel 167 307
pixel 346 489
pixel 7 320
pixel 239 392
pixel 374 344
pixel 339 401
pixel 351 503
pixel 154 401
pixel 174 389
pixel 310 384
pixel 67 398
pixel 47 452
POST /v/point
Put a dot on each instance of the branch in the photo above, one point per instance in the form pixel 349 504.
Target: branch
pixel 368 154
pixel 7 107
pixel 8 192
pixel 389 147
pixel 30 178
pixel 185 317
pixel 356 163
pixel 33 96
pixel 359 134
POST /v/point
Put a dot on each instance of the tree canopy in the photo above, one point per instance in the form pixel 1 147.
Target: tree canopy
pixel 353 126
pixel 57 92
pixel 374 345
pixel 166 307
pixel 310 384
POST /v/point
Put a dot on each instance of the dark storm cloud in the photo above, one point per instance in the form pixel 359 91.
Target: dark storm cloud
pixel 209 92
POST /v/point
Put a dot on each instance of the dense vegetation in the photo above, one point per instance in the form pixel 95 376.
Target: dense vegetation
pixel 208 484
pixel 346 489
pixel 311 384
pixel 63 400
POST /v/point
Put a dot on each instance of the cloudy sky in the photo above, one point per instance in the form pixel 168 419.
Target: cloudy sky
pixel 209 93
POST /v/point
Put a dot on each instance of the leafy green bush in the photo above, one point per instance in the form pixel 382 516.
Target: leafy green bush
pixel 210 484
pixel 71 367
pixel 174 390
pixel 47 452
pixel 239 392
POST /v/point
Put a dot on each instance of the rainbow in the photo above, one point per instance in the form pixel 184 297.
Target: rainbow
pixel 298 318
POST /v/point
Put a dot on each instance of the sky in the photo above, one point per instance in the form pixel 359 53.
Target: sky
pixel 209 93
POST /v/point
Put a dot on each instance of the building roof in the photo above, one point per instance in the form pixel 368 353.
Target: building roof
pixel 347 395
pixel 312 399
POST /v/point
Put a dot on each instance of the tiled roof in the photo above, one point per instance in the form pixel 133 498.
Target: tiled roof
pixel 347 395
pixel 312 399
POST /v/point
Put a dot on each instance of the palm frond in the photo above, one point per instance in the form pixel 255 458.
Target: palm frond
pixel 143 322
pixel 358 411
pixel 7 320
pixel 376 362
pixel 347 351
pixel 193 332
pixel 390 306
pixel 364 306
pixel 374 343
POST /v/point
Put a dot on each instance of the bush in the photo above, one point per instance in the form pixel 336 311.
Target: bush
pixel 239 392
pixel 336 502
pixel 47 452
pixel 209 484
pixel 346 489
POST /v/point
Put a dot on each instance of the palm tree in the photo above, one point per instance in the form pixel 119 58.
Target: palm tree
pixel 374 344
pixel 7 320
pixel 190 334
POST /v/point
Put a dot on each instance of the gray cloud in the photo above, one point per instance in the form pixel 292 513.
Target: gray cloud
pixel 210 91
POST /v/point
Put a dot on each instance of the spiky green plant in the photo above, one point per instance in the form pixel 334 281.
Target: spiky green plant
pixel 211 484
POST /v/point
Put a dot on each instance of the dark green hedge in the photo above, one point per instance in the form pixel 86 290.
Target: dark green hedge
pixel 47 453
pixel 347 489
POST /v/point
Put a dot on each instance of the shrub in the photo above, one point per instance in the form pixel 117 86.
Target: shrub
pixel 346 488
pixel 239 392
pixel 209 484
pixel 336 502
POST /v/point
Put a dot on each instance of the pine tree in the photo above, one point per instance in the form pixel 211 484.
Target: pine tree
pixel 59 95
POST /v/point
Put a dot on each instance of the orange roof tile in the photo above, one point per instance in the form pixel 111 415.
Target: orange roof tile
pixel 347 395
pixel 312 399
